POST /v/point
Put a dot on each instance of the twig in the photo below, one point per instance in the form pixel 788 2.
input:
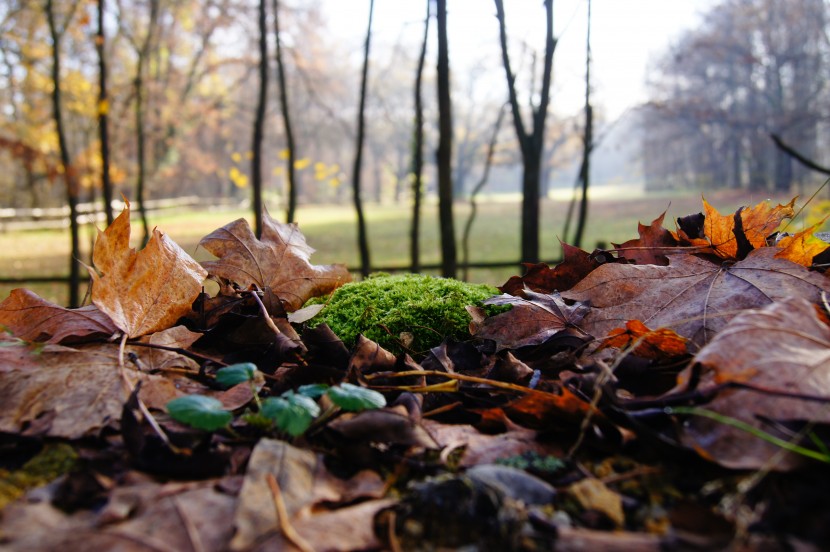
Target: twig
pixel 287 529
pixel 189 526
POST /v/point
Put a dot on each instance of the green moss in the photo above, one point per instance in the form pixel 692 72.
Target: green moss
pixel 53 461
pixel 384 307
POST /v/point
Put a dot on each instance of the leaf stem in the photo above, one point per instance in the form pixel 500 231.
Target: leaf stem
pixel 739 424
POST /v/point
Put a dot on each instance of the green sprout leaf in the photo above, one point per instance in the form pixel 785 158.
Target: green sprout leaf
pixel 236 373
pixel 291 412
pixel 313 390
pixel 200 412
pixel 354 398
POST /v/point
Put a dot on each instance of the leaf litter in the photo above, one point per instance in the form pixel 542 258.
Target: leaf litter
pixel 634 398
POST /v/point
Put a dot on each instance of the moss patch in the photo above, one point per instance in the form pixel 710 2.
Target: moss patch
pixel 382 308
pixel 51 462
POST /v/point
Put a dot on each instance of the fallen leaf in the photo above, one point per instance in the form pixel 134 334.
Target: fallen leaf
pixel 652 344
pixel 32 318
pixel 593 494
pixel 723 235
pixel 803 247
pixel 278 262
pixel 783 347
pixel 654 243
pixel 575 265
pixel 532 320
pixel 692 296
pixel 58 391
pixel 147 291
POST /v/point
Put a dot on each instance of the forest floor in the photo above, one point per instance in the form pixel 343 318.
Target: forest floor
pixel 671 394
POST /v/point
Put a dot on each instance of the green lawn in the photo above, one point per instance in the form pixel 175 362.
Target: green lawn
pixel 331 230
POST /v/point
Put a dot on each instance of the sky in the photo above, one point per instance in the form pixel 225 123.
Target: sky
pixel 627 36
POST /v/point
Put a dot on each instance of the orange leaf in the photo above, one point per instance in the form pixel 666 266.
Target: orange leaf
pixel 802 247
pixel 648 343
pixel 147 291
pixel 757 223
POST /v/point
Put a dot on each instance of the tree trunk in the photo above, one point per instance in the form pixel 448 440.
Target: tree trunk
pixel 259 122
pixel 103 110
pixel 444 154
pixel 362 237
pixel 286 118
pixel 530 143
pixel 68 170
pixel 418 153
pixel 587 140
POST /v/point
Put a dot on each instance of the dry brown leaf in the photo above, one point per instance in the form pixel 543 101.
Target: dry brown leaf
pixel 32 318
pixel 58 391
pixel 532 320
pixel 147 291
pixel 782 347
pixel 593 494
pixel 692 296
pixel 278 262
pixel 139 517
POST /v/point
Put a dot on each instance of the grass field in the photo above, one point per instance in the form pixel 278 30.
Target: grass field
pixel 331 230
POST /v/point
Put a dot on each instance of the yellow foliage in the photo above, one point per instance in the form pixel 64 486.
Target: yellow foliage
pixel 301 164
pixel 236 157
pixel 239 179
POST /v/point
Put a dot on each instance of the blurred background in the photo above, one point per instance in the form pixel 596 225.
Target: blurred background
pixel 406 151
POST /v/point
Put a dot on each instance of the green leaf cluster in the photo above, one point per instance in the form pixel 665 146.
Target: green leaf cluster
pixel 383 307
pixel 293 412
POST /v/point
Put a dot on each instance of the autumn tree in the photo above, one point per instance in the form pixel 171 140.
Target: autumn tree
pixel 418 152
pixel 532 141
pixel 753 68
pixel 103 110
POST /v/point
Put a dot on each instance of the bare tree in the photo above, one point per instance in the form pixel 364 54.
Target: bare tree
pixel 56 34
pixel 362 237
pixel 103 111
pixel 418 152
pixel 531 144
pixel 286 118
pixel 259 120
pixel 587 140
pixel 444 154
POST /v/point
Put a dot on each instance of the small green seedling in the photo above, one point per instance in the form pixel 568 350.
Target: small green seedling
pixel 293 412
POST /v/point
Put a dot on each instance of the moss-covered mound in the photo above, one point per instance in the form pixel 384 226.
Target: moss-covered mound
pixel 419 311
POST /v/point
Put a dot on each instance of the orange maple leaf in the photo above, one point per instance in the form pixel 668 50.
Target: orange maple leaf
pixel 147 291
pixel 723 236
pixel 802 247
pixel 660 343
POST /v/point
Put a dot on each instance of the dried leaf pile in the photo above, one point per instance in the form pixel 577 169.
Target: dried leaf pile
pixel 670 393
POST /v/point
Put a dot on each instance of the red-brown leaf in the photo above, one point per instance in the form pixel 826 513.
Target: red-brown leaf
pixel 782 347
pixel 692 296
pixel 541 278
pixel 32 318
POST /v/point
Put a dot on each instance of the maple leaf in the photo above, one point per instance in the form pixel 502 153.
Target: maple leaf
pixel 653 344
pixel 784 347
pixel 576 264
pixel 654 243
pixel 533 319
pixel 32 318
pixel 732 236
pixel 803 247
pixel 279 262
pixel 147 291
pixel 693 296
